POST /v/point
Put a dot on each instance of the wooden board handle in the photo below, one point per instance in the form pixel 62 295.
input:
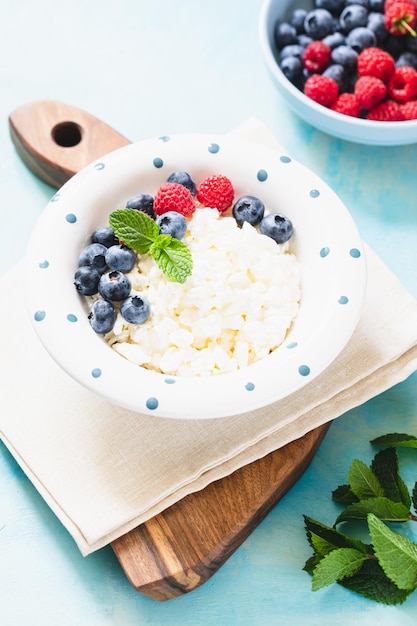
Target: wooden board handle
pixel 56 140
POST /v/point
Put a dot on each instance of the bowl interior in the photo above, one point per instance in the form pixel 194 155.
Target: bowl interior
pixel 342 126
pixel 326 242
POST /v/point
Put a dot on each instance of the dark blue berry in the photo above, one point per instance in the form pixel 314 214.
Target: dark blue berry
pixel 334 40
pixel 360 38
pixel 407 58
pixel 95 255
pixel 294 50
pixel 183 178
pixel 376 5
pixel 277 226
pixel 338 73
pixel 395 45
pixel 120 257
pixel 318 23
pixel 297 20
pixel 86 280
pixel 362 3
pixel 376 23
pixel 114 286
pixel 102 317
pixel 142 202
pixel 248 209
pixel 292 68
pixel 333 6
pixel 303 40
pixel 105 236
pixel 135 310
pixel 172 223
pixel 284 34
pixel 346 56
pixel 352 16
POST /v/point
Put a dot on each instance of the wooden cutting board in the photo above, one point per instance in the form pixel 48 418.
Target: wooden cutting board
pixel 182 547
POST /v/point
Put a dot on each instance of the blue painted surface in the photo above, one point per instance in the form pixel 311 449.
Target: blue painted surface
pixel 154 68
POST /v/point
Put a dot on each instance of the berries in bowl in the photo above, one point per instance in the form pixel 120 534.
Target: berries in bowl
pixel 347 67
pixel 195 276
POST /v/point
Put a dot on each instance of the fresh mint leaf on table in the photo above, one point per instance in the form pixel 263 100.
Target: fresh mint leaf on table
pixel 385 570
pixel 140 232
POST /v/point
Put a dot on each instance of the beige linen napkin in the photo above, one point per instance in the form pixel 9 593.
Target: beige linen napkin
pixel 104 470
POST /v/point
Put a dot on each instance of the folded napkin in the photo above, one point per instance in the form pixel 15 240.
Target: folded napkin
pixel 104 470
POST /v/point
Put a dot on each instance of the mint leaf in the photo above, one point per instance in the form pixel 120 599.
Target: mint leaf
pixel 397 555
pixel 385 467
pixel 344 495
pixel 383 508
pixel 415 497
pixel 363 481
pixel 396 439
pixel 331 536
pixel 336 566
pixel 372 583
pixel 173 258
pixel 136 229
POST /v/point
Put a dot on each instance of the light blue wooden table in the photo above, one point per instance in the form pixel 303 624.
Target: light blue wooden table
pixel 150 68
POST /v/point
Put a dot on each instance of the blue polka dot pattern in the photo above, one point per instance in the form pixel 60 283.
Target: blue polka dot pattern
pixel 249 386
pixel 292 345
pixel 55 197
pixel 285 159
pixel 262 175
pixel 72 318
pixel 158 162
pixel 39 316
pixel 99 166
pixel 314 193
pixel 96 372
pixel 71 218
pixel 170 381
pixel 355 253
pixel 304 370
pixel 343 300
pixel 152 403
pixel 164 138
pixel 324 252
pixel 214 148
pixel 44 264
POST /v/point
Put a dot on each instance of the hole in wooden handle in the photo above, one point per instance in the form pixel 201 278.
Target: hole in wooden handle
pixel 67 134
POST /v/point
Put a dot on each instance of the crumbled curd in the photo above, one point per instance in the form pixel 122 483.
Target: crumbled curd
pixel 235 308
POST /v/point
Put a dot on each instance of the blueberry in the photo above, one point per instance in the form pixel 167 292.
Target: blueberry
pixel 338 73
pixel 334 40
pixel 407 58
pixel 172 223
pixel 120 257
pixel 376 22
pixel 303 40
pixel 248 209
pixel 86 280
pixel 102 316
pixel 333 6
pixel 183 178
pixel 105 236
pixel 297 20
pixel 114 286
pixel 318 23
pixel 395 45
pixel 135 310
pixel 346 56
pixel 294 50
pixel 142 202
pixel 284 34
pixel 363 3
pixel 276 226
pixel 360 38
pixel 95 255
pixel 292 68
pixel 376 5
pixel 352 16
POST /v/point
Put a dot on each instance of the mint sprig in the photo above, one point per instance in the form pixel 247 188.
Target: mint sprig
pixel 386 569
pixel 140 232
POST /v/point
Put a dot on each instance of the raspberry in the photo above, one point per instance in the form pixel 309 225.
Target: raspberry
pixel 376 62
pixel 347 103
pixel 387 111
pixel 370 91
pixel 402 86
pixel 316 56
pixel 173 197
pixel 321 89
pixel 216 192
pixel 401 17
pixel 409 110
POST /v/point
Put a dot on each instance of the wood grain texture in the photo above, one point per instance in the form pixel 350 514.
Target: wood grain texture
pixel 182 547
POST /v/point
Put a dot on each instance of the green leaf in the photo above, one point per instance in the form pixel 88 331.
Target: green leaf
pixel 136 229
pixel 331 536
pixel 415 497
pixel 372 583
pixel 397 555
pixel 382 508
pixel 336 566
pixel 385 467
pixel 173 258
pixel 363 481
pixel 344 495
pixel 396 439
pixel 312 563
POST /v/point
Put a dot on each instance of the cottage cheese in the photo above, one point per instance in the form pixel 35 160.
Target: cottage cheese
pixel 237 306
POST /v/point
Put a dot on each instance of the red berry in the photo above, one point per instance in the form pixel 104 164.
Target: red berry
pixel 173 197
pixel 377 63
pixel 316 56
pixel 370 91
pixel 321 89
pixel 402 86
pixel 216 192
pixel 387 111
pixel 409 110
pixel 401 17
pixel 347 103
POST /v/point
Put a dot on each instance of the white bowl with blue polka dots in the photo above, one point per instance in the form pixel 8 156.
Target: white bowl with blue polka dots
pixel 326 242
pixel 342 126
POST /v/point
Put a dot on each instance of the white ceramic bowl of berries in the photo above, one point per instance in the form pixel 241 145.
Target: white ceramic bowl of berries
pixel 347 67
pixel 195 276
